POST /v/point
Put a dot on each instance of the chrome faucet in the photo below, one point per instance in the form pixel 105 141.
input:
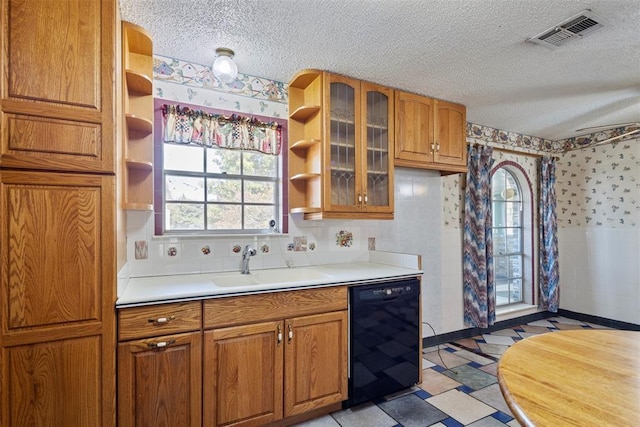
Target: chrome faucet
pixel 246 254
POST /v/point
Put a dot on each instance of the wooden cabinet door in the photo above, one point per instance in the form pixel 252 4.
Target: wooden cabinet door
pixel 56 383
pixel 243 368
pixel 56 245
pixel 315 362
pixel 57 279
pixel 58 85
pixel 342 172
pixel 377 148
pixel 414 142
pixel 451 141
pixel 159 381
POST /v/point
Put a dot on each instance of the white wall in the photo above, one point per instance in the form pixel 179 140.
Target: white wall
pixel 598 191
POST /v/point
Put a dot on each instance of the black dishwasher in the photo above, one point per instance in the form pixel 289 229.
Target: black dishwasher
pixel 384 339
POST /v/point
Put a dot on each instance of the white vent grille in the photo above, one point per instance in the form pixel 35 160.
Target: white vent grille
pixel 574 28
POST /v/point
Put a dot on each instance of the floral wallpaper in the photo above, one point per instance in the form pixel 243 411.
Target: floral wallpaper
pixel 182 81
pixel 599 186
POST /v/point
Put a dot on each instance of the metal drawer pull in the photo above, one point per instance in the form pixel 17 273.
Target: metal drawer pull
pixel 290 332
pixel 161 344
pixel 279 334
pixel 161 320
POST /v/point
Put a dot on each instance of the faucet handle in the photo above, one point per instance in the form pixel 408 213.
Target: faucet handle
pixel 249 251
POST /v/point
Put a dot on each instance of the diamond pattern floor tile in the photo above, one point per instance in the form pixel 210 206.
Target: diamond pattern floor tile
pixel 461 406
pixel 471 377
pixel 411 411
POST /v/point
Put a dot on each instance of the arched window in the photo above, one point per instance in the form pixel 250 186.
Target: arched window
pixel 512 241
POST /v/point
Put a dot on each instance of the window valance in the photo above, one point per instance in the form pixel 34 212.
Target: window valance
pixel 187 126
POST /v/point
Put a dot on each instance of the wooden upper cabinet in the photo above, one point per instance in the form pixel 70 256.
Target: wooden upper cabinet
pixel 340 147
pixel 58 93
pixel 430 133
pixel 415 142
pixel 451 136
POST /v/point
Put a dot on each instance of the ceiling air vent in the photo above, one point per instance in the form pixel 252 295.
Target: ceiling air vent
pixel 570 29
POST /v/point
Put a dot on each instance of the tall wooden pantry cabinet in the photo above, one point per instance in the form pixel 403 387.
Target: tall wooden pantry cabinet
pixel 57 192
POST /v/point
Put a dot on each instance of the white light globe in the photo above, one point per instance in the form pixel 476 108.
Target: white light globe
pixel 224 68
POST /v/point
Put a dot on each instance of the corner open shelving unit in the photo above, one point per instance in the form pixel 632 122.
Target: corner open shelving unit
pixel 137 60
pixel 305 142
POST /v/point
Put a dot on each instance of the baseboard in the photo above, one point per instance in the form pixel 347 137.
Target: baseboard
pixel 516 321
pixel 602 321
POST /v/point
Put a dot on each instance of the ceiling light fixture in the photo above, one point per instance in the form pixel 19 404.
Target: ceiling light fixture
pixel 224 68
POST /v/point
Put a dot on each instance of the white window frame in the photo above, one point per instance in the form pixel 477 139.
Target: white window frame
pixel 528 228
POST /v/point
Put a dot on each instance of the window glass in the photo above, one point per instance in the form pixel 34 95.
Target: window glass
pixel 184 216
pixel 219 190
pixel 507 208
pixel 184 188
pixel 223 161
pixel 183 157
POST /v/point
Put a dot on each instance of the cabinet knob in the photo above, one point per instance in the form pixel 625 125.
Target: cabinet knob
pixel 290 332
pixel 279 334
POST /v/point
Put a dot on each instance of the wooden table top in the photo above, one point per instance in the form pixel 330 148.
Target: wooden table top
pixel 588 377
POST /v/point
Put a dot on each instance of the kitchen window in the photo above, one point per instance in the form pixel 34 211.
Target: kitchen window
pixel 207 189
pixel 512 235
pixel 214 189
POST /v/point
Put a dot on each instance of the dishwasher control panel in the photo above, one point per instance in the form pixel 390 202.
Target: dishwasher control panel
pixel 389 290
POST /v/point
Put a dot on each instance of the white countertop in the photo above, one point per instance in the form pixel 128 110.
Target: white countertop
pixel 154 289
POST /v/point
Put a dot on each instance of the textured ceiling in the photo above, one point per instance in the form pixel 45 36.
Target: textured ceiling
pixel 469 51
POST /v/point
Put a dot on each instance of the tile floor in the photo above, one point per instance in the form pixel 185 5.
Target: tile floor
pixel 459 385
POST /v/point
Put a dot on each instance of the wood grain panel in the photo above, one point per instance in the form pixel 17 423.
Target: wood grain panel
pixel 254 308
pixel 414 129
pixel 160 386
pixel 163 319
pixel 451 133
pixel 52 249
pixel 315 362
pixel 573 378
pixel 244 369
pixel 54 53
pixel 45 379
pixel 53 138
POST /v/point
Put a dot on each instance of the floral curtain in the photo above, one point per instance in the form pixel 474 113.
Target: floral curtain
pixel 549 271
pixel 187 126
pixel 477 276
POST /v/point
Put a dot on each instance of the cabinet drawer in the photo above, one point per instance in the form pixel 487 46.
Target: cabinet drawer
pixel 162 319
pixel 221 312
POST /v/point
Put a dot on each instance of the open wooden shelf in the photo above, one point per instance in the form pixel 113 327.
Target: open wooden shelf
pixel 137 59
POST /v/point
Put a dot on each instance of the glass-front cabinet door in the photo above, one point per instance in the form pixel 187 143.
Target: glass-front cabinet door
pixel 359 151
pixel 342 186
pixel 378 133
